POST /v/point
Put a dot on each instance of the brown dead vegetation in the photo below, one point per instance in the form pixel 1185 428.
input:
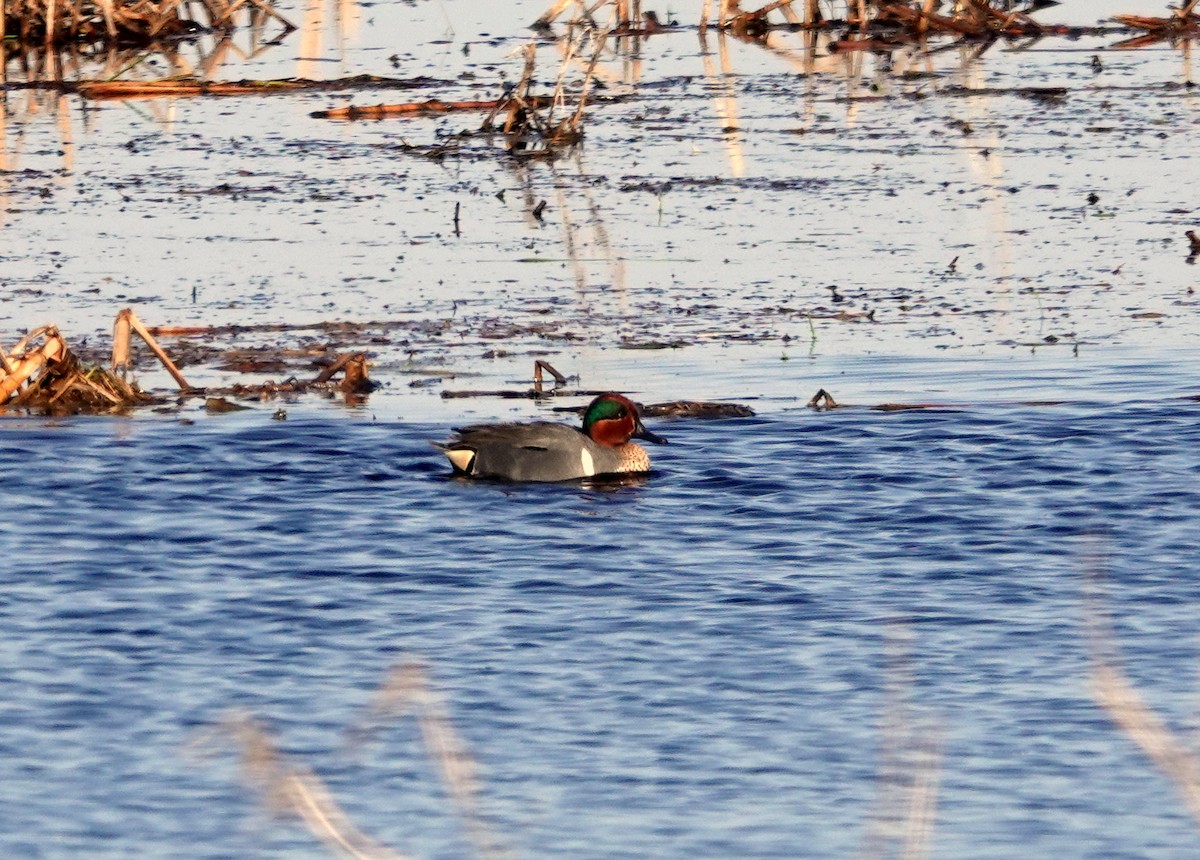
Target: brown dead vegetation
pixel 873 25
pixel 532 125
pixel 974 18
pixel 189 86
pixel 1183 24
pixel 59 22
pixel 43 373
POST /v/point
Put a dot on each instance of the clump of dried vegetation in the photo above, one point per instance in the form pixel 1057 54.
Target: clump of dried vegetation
pixel 60 22
pixel 532 125
pixel 1183 24
pixel 42 372
pixel 865 20
pixel 963 17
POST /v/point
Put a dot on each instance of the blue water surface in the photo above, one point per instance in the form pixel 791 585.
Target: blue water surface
pixel 693 666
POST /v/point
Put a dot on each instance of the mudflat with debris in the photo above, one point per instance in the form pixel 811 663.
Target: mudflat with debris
pixel 972 195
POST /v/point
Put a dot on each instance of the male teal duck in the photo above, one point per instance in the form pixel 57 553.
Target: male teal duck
pixel 545 451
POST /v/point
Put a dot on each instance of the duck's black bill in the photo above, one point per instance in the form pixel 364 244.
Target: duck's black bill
pixel 643 433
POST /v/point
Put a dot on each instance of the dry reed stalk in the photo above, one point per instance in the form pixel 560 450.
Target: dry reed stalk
pixel 577 118
pixel 110 23
pixel 290 789
pixel 1184 22
pixel 551 15
pixel 59 22
pixel 910 769
pixel 914 18
pixel 927 11
pixel 431 106
pixel 50 372
pixel 353 366
pixel 51 20
pixel 1114 692
pixel 408 690
pixel 991 19
pixel 122 333
pixel 97 90
pixel 26 363
pixel 755 25
pixel 557 99
pixel 127 320
pixel 524 121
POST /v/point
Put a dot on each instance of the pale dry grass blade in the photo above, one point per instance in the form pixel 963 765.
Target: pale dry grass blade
pixel 289 789
pixel 551 15
pixel 902 821
pixel 922 807
pixel 1114 692
pixel 408 690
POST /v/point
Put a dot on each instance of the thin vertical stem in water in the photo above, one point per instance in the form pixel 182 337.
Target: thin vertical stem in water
pixel 577 119
pixel 106 8
pixel 51 20
pixel 1114 692
pixel 926 11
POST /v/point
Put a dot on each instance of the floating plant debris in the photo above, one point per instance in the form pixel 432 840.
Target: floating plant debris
pixel 53 22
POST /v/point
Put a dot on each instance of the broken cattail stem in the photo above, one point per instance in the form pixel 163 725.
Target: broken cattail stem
pixel 549 16
pixel 577 118
pixel 355 380
pixel 812 13
pixel 149 340
pixel 822 400
pixel 329 372
pixel 539 366
pixel 31 364
pixel 106 8
pixel 556 100
pixel 926 14
pixel 122 331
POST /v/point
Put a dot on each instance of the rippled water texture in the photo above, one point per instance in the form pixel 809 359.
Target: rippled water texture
pixel 733 658
pixel 690 667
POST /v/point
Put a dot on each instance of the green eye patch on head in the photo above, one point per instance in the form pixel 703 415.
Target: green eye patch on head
pixel 602 410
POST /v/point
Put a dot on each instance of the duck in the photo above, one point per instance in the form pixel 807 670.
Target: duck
pixel 545 451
